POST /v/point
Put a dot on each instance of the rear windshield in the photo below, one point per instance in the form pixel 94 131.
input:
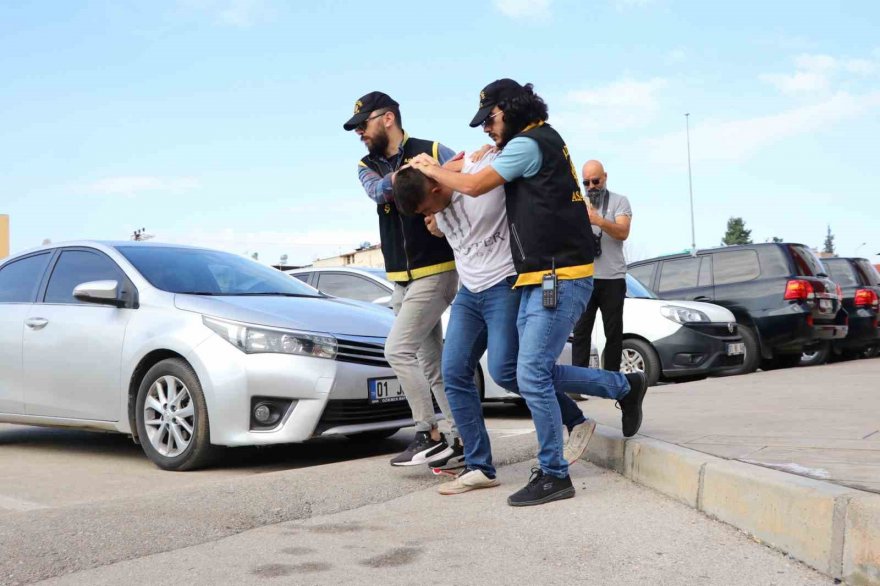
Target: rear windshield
pixel 806 263
pixel 842 273
pixel 870 271
pixel 210 272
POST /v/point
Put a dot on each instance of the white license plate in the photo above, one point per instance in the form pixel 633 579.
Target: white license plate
pixel 825 304
pixel 385 390
pixel 734 349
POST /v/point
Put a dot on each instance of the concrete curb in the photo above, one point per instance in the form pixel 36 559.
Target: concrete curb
pixel 832 528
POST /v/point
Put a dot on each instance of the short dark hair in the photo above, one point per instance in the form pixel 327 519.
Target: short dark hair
pixel 523 108
pixel 396 111
pixel 410 188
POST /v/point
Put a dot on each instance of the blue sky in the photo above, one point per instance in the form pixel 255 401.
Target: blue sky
pixel 219 122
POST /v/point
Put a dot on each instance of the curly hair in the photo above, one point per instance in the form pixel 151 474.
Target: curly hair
pixel 523 109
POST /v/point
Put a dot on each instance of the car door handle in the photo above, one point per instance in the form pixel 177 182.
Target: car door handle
pixel 702 298
pixel 36 323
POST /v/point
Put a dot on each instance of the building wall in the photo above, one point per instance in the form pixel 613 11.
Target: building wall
pixel 4 236
pixel 368 257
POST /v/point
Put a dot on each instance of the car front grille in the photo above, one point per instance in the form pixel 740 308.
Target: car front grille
pixel 351 411
pixel 361 351
pixel 716 329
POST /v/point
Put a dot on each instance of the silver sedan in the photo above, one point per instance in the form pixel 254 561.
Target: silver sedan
pixel 186 350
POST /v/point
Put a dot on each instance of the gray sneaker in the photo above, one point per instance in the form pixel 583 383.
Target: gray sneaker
pixel 578 440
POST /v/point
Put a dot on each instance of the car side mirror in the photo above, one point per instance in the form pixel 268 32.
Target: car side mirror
pixel 384 300
pixel 99 292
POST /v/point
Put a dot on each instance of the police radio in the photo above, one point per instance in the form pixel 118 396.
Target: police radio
pixel 548 288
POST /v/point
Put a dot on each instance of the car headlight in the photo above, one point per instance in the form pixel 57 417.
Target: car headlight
pixel 682 315
pixel 256 340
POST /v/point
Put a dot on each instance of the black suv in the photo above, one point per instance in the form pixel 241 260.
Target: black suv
pixel 780 294
pixel 860 283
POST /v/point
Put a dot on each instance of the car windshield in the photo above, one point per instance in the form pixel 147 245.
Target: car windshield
pixel 210 272
pixel 841 272
pixel 635 289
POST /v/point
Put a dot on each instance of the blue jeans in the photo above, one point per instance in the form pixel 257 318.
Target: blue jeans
pixel 543 333
pixel 477 319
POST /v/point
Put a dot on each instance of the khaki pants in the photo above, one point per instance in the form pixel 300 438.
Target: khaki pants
pixel 415 345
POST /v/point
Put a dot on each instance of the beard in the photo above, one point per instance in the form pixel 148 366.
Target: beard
pixel 378 144
pixel 595 195
pixel 507 133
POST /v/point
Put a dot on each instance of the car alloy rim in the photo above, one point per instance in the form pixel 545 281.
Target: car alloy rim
pixel 632 361
pixel 169 416
pixel 809 355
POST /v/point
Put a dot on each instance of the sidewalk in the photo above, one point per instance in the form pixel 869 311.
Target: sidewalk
pixel 820 422
pixel 792 457
pixel 612 532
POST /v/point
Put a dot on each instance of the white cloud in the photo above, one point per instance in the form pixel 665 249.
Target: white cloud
pixel 739 140
pixel 234 13
pixel 523 8
pixel 625 103
pixel 130 186
pixel 815 73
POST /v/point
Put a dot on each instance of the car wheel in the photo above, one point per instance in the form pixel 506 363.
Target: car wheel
pixel 870 352
pixel 752 356
pixel 816 356
pixel 172 417
pixel 639 355
pixel 372 435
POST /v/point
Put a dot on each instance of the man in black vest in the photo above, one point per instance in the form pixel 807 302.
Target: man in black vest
pixel 552 250
pixel 422 268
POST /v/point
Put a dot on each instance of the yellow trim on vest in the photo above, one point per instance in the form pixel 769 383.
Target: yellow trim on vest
pixel 533 125
pixel 565 274
pixel 435 152
pixel 421 272
pixel 361 164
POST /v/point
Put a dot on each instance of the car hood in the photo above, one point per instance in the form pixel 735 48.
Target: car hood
pixel 716 313
pixel 313 314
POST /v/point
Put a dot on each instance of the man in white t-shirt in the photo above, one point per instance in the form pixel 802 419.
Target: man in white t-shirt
pixel 484 311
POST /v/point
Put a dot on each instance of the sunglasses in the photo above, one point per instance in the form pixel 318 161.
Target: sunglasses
pixel 363 125
pixel 490 119
pixel 595 181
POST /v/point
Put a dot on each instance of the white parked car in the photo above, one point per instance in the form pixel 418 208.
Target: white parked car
pixel 673 340
pixel 370 285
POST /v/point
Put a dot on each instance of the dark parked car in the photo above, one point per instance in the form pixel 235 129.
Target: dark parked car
pixel 860 284
pixel 781 296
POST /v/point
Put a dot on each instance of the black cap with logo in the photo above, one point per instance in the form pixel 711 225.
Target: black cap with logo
pixel 494 93
pixel 366 105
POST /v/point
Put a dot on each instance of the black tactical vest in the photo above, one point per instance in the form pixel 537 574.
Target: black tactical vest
pixel 410 251
pixel 548 217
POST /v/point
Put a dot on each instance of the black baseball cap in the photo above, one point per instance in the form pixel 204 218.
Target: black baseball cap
pixel 497 91
pixel 365 105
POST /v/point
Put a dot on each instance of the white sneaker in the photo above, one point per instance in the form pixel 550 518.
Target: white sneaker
pixel 578 440
pixel 467 480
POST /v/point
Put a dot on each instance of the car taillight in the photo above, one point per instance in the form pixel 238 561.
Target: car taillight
pixel 867 298
pixel 798 290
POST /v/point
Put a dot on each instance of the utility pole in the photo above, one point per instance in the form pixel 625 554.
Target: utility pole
pixel 690 183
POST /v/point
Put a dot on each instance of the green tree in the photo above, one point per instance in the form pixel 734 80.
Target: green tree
pixel 829 242
pixel 736 233
pixel 776 239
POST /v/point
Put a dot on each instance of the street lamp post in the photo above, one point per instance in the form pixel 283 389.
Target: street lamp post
pixel 858 247
pixel 690 183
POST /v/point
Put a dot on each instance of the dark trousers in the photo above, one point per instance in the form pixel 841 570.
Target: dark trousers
pixel 608 296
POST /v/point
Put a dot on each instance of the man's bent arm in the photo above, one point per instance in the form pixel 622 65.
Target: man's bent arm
pixel 618 229
pixel 378 188
pixel 473 184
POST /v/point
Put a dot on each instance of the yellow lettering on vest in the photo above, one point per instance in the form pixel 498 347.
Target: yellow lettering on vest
pixel 576 196
pixel 574 174
pixel 387 208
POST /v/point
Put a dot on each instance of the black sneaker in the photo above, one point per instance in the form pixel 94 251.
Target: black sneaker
pixel 450 458
pixel 541 489
pixel 420 450
pixel 631 404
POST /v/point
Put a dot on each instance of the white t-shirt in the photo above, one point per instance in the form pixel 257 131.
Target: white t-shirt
pixel 476 229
